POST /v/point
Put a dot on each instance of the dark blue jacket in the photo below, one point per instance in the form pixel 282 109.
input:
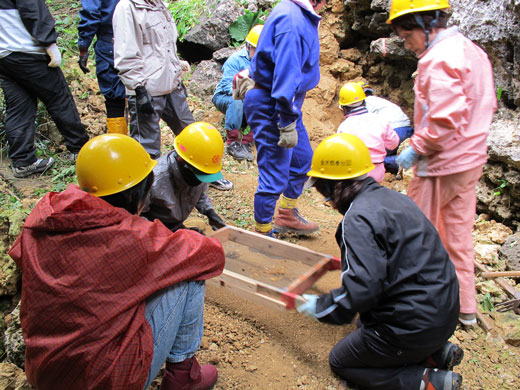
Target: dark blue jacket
pixel 396 272
pixel 95 19
pixel 286 60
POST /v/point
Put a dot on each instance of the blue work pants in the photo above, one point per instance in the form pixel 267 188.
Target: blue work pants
pixel 280 170
pixel 109 83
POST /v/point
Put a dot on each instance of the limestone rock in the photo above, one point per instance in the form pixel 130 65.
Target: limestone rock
pixel 510 252
pixel 13 339
pixel 204 80
pixel 213 31
pixel 13 378
pixel 510 325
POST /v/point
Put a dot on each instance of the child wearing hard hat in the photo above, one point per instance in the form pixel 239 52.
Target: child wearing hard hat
pixel 375 132
pixel 108 296
pixel 395 273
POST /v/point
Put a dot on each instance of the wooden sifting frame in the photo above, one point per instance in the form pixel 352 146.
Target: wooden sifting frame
pixel 280 298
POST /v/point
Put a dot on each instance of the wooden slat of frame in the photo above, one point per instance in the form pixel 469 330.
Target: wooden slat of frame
pixel 269 245
pixel 252 289
pixel 510 290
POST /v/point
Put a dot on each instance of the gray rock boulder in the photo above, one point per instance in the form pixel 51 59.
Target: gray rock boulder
pixel 204 80
pixel 510 252
pixel 391 48
pixel 213 31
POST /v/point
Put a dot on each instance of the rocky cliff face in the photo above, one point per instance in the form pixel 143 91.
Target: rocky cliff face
pixel 356 44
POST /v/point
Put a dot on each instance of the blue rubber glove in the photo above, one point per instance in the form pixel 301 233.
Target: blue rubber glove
pixel 309 307
pixel 407 158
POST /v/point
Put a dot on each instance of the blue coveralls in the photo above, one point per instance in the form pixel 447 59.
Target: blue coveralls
pixel 96 20
pixel 285 67
pixel 222 98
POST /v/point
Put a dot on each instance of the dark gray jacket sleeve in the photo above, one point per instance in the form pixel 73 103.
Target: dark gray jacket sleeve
pixel 204 204
pixel 363 274
pixel 38 20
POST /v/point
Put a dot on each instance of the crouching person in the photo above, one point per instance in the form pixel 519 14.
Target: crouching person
pixel 395 273
pixel 182 175
pixel 108 296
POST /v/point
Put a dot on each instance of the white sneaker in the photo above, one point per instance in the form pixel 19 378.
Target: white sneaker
pixel 39 166
pixel 222 185
pixel 468 319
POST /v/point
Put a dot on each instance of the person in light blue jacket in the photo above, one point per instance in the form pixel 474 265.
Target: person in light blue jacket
pixel 225 103
pixel 284 68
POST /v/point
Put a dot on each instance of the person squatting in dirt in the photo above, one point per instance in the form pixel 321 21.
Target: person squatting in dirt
pixel 395 273
pixel 395 116
pixel 284 68
pixel 223 99
pixel 30 70
pixel 145 55
pixel 181 178
pixel 95 20
pixel 108 296
pixel 375 132
pixel 454 105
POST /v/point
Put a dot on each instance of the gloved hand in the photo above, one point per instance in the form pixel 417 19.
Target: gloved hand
pixel 215 221
pixel 407 158
pixel 54 52
pixel 82 61
pixel 242 83
pixel 143 100
pixel 288 136
pixel 309 307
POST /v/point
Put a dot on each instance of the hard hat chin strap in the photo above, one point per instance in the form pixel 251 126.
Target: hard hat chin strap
pixel 427 32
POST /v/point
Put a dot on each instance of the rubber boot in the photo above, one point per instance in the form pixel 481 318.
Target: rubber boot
pixel 117 125
pixel 189 375
pixel 290 220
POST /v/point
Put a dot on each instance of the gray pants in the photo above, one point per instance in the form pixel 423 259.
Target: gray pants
pixel 172 108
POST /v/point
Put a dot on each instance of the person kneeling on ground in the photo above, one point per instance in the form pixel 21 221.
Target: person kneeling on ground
pixel 234 109
pixel 394 115
pixel 372 129
pixel 181 177
pixel 108 296
pixel 395 273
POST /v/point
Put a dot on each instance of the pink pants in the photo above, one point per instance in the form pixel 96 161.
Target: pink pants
pixel 450 202
pixel 378 173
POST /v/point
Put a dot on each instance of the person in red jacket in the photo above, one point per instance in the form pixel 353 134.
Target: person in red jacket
pixel 108 296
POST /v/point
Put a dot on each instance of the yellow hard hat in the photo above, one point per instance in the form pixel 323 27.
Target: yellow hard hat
pixel 340 156
pixel 201 145
pixel 111 163
pixel 403 7
pixel 351 93
pixel 254 34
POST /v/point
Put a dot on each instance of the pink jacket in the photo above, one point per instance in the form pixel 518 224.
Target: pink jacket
pixel 454 105
pixel 376 134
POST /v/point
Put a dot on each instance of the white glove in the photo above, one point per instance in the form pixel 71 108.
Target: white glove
pixel 288 136
pixel 185 67
pixel 54 52
pixel 242 83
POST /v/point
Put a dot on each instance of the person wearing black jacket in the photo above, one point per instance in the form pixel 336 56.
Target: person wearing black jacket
pixel 395 273
pixel 29 69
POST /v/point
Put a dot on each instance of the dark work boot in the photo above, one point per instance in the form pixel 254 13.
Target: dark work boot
pixel 434 379
pixel 290 220
pixel 237 151
pixel 189 375
pixel 449 356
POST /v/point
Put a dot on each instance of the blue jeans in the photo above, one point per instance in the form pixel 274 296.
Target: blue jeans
pixel 176 315
pixel 233 109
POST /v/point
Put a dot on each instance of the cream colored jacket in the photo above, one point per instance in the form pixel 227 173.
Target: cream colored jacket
pixel 145 49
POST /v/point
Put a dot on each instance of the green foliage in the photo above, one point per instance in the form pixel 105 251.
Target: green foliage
pixel 239 28
pixel 186 14
pixel 487 302
pixel 500 188
pixel 499 93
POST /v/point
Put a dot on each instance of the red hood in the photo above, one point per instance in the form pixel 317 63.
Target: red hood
pixel 73 210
